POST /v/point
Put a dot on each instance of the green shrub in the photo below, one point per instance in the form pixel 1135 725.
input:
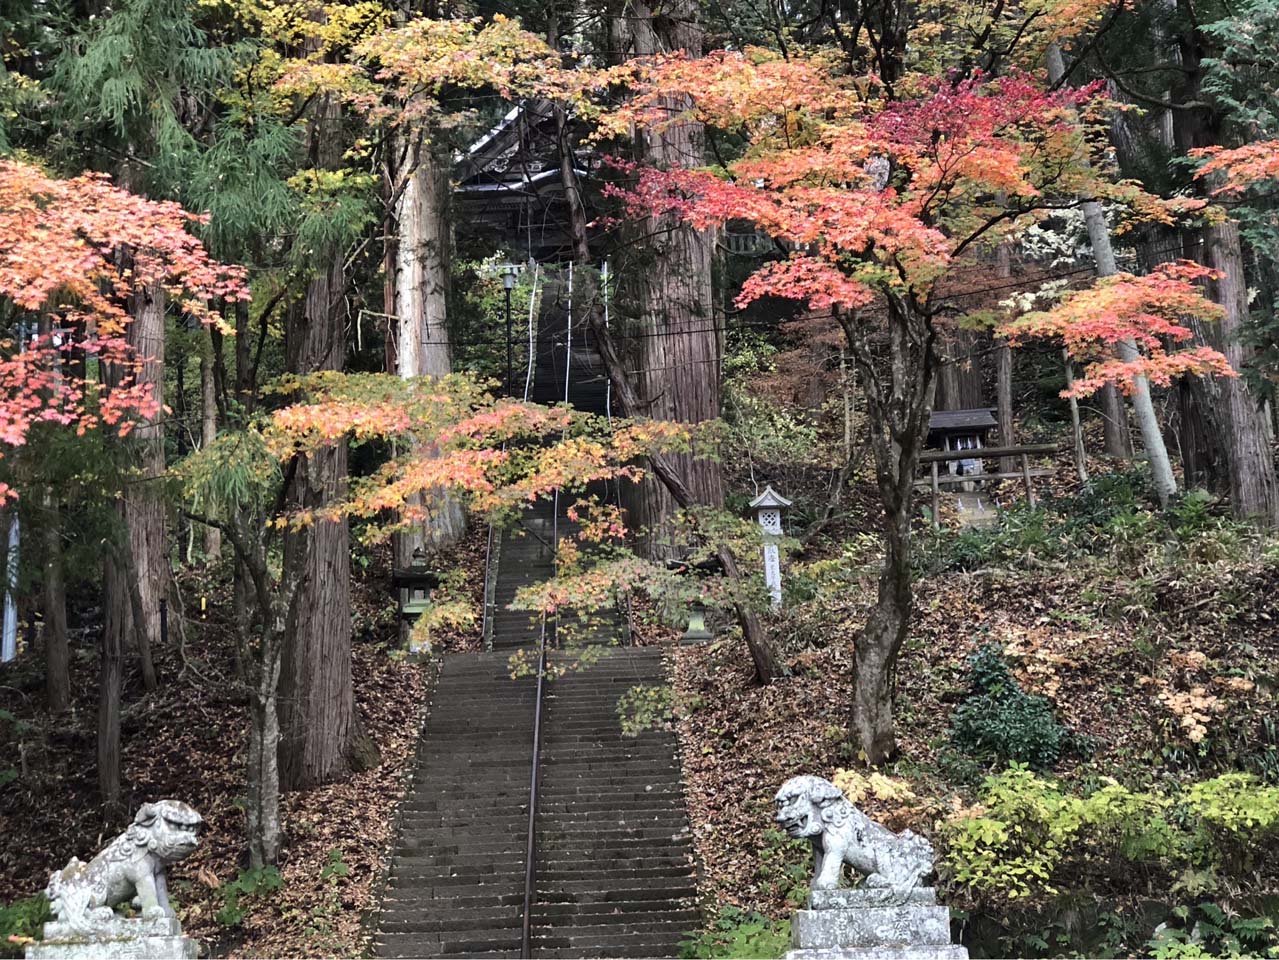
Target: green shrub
pixel 738 933
pixel 1207 930
pixel 1000 722
pixel 1028 834
pixel 21 921
pixel 249 884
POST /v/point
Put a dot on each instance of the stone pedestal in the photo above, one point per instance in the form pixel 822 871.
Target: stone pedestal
pixel 122 939
pixel 873 922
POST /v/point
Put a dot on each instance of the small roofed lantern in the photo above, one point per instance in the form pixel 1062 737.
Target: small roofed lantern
pixel 768 508
pixel 414 584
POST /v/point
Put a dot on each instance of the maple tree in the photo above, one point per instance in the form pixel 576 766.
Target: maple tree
pixel 879 193
pixel 1149 312
pixel 60 257
pixel 494 455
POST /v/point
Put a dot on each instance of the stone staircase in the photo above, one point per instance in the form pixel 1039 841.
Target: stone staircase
pixel 613 858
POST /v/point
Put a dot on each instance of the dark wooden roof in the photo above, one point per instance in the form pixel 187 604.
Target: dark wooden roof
pixel 962 421
pixel 509 185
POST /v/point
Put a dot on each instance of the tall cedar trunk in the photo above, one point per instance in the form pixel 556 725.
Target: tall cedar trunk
pixel 1254 491
pixel 899 395
pixel 421 302
pixel 959 381
pixel 678 351
pixel 144 504
pixel 209 433
pixel 317 701
pixel 768 665
pixel 318 725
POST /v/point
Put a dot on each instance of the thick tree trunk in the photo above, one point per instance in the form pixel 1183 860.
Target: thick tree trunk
pixel 317 700
pixel 209 433
pixel 678 350
pixel 1241 422
pixel 1004 371
pixel 421 304
pixel 768 664
pixel 144 503
pixel 1254 492
pixel 319 730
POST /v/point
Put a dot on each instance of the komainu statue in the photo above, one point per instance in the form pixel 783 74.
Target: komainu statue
pixel 131 868
pixel 814 809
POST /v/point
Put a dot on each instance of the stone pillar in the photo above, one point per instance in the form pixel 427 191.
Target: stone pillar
pixel 768 507
pixel 873 922
pixel 135 939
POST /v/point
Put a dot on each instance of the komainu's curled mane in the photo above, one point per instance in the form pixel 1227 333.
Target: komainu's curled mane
pixel 814 809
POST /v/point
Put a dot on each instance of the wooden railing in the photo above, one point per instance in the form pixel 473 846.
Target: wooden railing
pixel 934 458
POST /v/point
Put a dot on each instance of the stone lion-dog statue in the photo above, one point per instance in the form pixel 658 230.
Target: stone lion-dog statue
pixel 814 809
pixel 130 868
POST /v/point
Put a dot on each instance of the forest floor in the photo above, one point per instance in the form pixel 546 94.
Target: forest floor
pixel 188 740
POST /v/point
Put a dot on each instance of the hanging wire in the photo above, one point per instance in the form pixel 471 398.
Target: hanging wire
pixel 608 381
pixel 532 340
pixel 568 343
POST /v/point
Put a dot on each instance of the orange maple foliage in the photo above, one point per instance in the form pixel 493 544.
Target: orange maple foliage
pixel 1148 312
pixel 496 454
pixel 1234 170
pixel 75 251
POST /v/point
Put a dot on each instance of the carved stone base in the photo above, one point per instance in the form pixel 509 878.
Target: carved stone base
pixel 875 922
pixel 119 940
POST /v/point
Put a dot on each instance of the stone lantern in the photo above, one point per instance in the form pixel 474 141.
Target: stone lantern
pixel 768 508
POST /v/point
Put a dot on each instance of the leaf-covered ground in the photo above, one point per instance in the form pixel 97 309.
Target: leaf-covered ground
pixel 188 740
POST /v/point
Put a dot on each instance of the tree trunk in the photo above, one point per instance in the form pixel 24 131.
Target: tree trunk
pixel 1152 437
pixel 1254 493
pixel 1117 440
pixel 209 433
pixel 1076 429
pixel 144 500
pixel 678 350
pixel 899 396
pixel 144 503
pixel 768 665
pixel 876 650
pixel 421 304
pixel 264 780
pixel 110 678
pixel 1004 371
pixel 57 656
pixel 319 729
pixel 316 698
